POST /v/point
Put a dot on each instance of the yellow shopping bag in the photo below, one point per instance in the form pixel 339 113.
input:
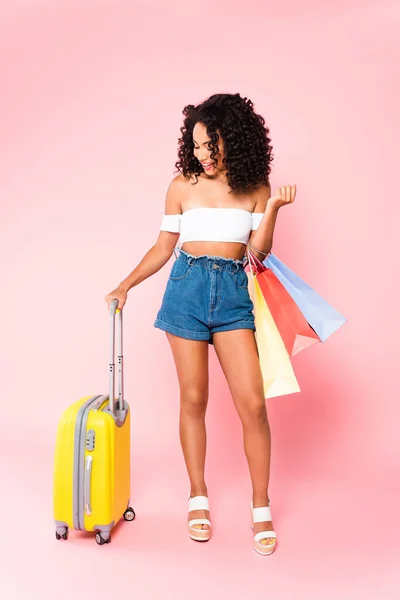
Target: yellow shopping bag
pixel 276 367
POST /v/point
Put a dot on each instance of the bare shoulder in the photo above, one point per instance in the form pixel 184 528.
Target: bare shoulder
pixel 176 194
pixel 178 183
pixel 261 196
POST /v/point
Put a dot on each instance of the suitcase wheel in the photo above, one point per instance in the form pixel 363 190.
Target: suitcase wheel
pixel 64 535
pixel 100 540
pixel 129 514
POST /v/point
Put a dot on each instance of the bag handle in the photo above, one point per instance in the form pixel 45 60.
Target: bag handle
pixel 254 262
pixel 120 402
pixel 252 271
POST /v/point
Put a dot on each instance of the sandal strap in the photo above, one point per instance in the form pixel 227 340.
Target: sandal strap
pixel 199 522
pixel 199 503
pixel 264 534
pixel 261 514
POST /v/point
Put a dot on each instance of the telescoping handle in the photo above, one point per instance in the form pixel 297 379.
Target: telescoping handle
pixel 120 402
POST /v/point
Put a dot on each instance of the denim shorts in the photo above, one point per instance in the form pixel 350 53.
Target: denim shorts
pixel 204 295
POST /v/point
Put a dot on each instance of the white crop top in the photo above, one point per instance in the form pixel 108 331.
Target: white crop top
pixel 212 224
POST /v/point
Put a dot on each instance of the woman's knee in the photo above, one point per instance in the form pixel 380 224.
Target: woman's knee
pixel 194 401
pixel 253 412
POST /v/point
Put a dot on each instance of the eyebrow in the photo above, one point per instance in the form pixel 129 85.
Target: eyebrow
pixel 203 144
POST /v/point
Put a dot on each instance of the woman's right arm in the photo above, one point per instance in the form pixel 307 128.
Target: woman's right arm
pixel 159 254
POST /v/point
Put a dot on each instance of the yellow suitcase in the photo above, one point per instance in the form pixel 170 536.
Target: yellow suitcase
pixel 92 458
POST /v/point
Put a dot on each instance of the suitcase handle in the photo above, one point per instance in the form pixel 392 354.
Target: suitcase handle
pixel 120 402
pixel 88 481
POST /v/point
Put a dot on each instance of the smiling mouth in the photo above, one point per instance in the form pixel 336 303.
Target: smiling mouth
pixel 207 166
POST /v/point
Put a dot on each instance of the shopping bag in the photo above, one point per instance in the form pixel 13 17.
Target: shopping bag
pixel 290 321
pixel 322 317
pixel 277 371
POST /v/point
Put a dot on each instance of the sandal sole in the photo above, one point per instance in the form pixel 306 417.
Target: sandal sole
pixel 259 551
pixel 200 538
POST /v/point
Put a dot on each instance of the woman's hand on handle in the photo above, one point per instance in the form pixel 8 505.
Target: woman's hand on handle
pixel 152 262
pixel 118 294
pixel 158 255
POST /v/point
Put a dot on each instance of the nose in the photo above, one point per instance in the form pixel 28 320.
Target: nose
pixel 201 154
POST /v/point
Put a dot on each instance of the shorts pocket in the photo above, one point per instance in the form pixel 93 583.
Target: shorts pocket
pixel 241 279
pixel 180 270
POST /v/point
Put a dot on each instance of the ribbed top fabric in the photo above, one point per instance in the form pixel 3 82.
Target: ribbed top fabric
pixel 212 224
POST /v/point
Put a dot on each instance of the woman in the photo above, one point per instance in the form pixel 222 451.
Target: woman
pixel 219 204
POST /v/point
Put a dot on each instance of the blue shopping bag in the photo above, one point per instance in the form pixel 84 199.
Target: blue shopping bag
pixel 322 317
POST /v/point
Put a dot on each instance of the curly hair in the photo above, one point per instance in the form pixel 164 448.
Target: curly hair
pixel 248 152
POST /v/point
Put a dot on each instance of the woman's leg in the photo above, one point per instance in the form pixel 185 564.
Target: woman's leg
pixel 191 361
pixel 237 353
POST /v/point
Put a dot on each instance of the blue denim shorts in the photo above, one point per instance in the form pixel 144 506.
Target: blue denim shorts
pixel 204 295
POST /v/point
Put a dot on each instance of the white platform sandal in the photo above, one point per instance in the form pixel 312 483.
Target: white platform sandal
pixel 259 515
pixel 199 535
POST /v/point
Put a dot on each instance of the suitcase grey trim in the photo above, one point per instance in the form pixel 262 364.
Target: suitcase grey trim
pixel 105 529
pixel 119 416
pixel 79 455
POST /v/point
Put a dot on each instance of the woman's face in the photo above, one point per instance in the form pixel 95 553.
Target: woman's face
pixel 202 150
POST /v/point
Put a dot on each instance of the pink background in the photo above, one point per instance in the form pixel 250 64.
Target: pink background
pixel 91 101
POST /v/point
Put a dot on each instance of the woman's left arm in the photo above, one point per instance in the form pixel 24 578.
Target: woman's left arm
pixel 261 239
